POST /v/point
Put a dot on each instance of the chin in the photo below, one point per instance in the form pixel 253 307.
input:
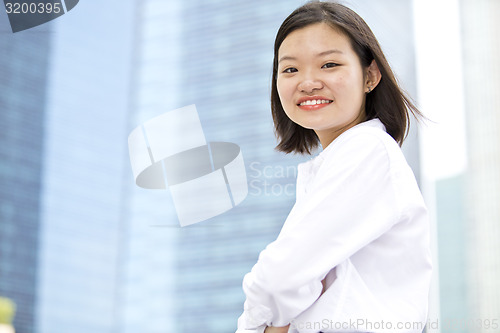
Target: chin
pixel 315 126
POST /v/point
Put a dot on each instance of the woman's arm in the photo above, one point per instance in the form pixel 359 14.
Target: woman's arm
pixel 273 329
pixel 351 203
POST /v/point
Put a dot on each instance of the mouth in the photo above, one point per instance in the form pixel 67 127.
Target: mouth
pixel 313 103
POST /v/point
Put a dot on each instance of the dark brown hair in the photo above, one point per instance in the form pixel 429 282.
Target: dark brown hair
pixel 387 101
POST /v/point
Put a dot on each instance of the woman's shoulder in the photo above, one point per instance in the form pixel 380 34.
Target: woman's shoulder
pixel 360 142
pixel 365 138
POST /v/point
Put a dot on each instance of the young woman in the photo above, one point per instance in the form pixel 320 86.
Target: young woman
pixel 353 254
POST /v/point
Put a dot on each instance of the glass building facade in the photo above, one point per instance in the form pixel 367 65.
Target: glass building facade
pixel 481 49
pixel 84 163
pixel 218 56
pixel 24 68
pixel 458 88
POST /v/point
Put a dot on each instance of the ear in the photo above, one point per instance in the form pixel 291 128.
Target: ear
pixel 373 77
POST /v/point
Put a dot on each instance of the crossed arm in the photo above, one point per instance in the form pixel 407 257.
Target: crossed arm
pixel 284 329
pixel 272 329
pixel 314 237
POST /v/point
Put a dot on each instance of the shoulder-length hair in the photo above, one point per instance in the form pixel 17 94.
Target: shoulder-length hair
pixel 387 101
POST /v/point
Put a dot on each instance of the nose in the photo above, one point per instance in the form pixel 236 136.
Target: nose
pixel 309 85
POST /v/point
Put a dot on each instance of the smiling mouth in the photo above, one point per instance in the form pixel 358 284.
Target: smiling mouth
pixel 315 102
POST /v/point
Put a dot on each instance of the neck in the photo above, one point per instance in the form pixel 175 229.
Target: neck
pixel 327 136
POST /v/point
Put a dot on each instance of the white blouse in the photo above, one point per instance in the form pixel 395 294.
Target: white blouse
pixel 360 222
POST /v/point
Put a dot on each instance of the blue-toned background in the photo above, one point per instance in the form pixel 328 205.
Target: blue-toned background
pixel 83 249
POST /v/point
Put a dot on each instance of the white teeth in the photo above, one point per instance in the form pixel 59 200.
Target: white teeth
pixel 316 101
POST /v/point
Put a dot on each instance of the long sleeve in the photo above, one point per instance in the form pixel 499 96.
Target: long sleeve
pixel 351 202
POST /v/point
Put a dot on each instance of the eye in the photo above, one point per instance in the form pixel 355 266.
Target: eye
pixel 290 70
pixel 329 65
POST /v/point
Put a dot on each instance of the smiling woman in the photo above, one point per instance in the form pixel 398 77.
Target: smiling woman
pixel 353 254
pixel 388 102
pixel 337 73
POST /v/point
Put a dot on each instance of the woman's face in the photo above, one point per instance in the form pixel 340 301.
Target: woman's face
pixel 320 82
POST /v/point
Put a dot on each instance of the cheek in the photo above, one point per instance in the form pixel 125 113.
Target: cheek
pixel 279 87
pixel 347 84
pixel 284 92
pixel 337 82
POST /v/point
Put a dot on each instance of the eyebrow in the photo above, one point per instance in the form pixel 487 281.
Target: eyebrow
pixel 321 54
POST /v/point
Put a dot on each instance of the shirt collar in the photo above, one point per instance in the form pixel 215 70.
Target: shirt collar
pixel 375 122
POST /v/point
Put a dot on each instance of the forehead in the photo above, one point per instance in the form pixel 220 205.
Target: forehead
pixel 315 38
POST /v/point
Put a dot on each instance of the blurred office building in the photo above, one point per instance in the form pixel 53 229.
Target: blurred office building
pixel 83 164
pixel 24 69
pixel 481 51
pixel 216 55
pixel 459 88
pixel 61 160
